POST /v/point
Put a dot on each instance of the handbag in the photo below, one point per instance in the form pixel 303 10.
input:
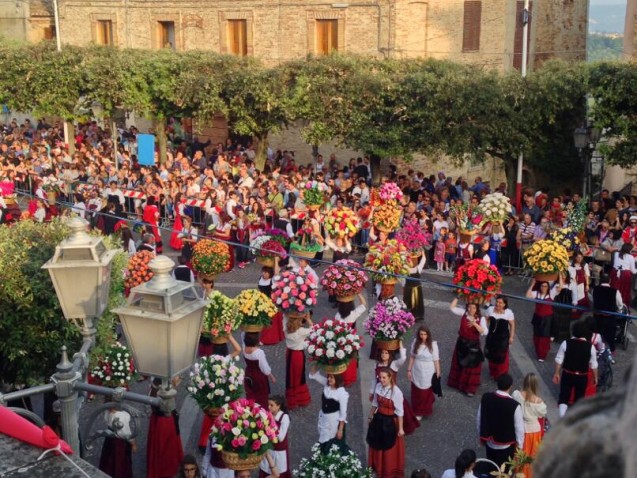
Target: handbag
pixel 602 255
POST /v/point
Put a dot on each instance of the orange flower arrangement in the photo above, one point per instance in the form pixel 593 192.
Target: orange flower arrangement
pixel 341 222
pixel 386 216
pixel 210 257
pixel 137 271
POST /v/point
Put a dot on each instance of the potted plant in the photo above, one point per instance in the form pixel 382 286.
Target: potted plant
pixel 210 258
pixel 243 432
pixel 305 243
pixel 387 258
pixel 137 271
pixel 387 323
pixel 335 463
pixel 115 368
pixel 496 208
pixel 220 318
pixel 332 344
pixel 215 381
pixel 313 194
pixel 469 219
pixel 266 249
pixel 255 310
pixel 413 237
pixel 295 293
pixel 386 216
pixel 477 274
pixel 344 280
pixel 341 223
pixel 546 259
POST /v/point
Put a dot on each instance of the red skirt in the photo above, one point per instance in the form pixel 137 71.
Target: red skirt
pixel 465 379
pixel 542 346
pixel 497 369
pixel 164 450
pixel 591 388
pixel 350 375
pixel 204 348
pixel 388 463
pixel 623 284
pixel 175 242
pixel 257 388
pixel 273 334
pixel 297 393
pixel 116 459
pixel 422 400
pixel 204 434
pixel 410 422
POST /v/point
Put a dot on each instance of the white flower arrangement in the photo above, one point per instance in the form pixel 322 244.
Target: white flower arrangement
pixel 215 381
pixel 496 207
pixel 115 368
pixel 333 464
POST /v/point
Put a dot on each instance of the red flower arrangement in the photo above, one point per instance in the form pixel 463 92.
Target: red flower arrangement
pixel 341 223
pixel 294 291
pixel 344 278
pixel 137 272
pixel 479 275
pixel 332 343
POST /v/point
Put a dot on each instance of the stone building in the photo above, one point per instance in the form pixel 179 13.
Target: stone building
pixel 26 20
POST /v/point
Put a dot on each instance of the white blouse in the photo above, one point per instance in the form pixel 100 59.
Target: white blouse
pixel 339 394
pixel 530 413
pixel 627 263
pixel 296 339
pixel 460 311
pixel 506 315
pixel 394 365
pixel 353 316
pixel 394 394
pixel 259 355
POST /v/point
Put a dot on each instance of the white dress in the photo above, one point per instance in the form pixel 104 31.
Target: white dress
pixel 328 422
pixel 423 368
pixel 210 471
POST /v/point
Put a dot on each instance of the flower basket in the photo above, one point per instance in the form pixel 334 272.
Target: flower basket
pixel 278 235
pixel 213 412
pixel 215 381
pixel 335 369
pixel 313 207
pixel 265 261
pixel 332 344
pixel 255 309
pixel 302 253
pixel 115 368
pixel 413 237
pixel 546 277
pixel 387 322
pixel 414 258
pixel 390 192
pixel 51 197
pixel 296 317
pixel 137 271
pixel 344 279
pixel 388 280
pixel 252 328
pixel 478 275
pixel 244 432
pixel 567 238
pixel 496 207
pixel 266 246
pixel 294 291
pixel 209 277
pixel 341 223
pixel 468 218
pixel 210 257
pixel 390 345
pixel 221 317
pixel 386 217
pixel 388 258
pixel 333 462
pixel 313 194
pixel 546 257
pixel 235 462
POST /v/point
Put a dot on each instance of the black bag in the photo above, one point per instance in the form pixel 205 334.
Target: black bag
pixel 382 432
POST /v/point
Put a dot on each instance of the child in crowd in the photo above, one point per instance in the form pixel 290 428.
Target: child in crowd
pixel 441 249
pixel 451 249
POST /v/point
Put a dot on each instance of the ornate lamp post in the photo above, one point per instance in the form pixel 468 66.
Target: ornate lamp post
pixel 585 139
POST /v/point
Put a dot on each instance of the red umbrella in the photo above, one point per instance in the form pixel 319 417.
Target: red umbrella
pixel 18 427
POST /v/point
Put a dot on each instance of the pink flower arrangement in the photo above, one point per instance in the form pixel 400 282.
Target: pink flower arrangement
pixel 390 192
pixel 245 428
pixel 294 291
pixel 332 342
pixel 412 236
pixel 386 322
pixel 344 278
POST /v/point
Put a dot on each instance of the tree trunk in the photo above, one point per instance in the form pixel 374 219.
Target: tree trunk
pixel 162 141
pixel 70 127
pixel 375 165
pixel 260 151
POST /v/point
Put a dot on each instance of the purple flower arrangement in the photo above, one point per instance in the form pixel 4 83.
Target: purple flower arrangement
pixel 412 236
pixel 388 321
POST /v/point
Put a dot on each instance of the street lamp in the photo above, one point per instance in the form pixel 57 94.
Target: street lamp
pixel 585 140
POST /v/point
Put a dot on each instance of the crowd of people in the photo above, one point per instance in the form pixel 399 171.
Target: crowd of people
pixel 203 189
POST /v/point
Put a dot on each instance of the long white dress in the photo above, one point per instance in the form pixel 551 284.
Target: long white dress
pixel 424 368
pixel 328 422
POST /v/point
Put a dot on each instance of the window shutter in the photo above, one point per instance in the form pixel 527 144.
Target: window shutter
pixel 471 26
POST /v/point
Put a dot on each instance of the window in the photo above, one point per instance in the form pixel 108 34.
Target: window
pixel 326 36
pixel 238 37
pixel 517 41
pixel 104 32
pixel 471 26
pixel 49 32
pixel 166 35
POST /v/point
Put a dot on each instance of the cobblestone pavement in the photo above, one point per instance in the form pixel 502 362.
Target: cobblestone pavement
pixel 440 438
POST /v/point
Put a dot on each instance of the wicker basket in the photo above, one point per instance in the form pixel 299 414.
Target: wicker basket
pixel 235 462
pixel 383 229
pixel 252 328
pixel 414 258
pixel 388 344
pixel 206 276
pixel 266 261
pixel 306 254
pixel 213 412
pixel 51 197
pixel 220 339
pixel 548 277
pixel 473 298
pixel 313 207
pixel 388 281
pixel 335 369
pixel 346 298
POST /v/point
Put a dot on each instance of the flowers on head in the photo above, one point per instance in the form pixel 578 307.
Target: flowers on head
pixel 255 308
pixel 496 207
pixel 304 240
pixel 412 236
pixel 221 315
pixel 387 322
pixel 344 278
pixel 390 257
pixel 245 428
pixel 567 238
pixel 576 215
pixel 334 463
pixel 546 257
pixel 390 192
pixel 277 235
pixel 115 368
pixel 215 380
pixel 210 257
pixel 332 342
pixel 266 246
pixel 313 193
pixel 294 291
pixel 386 216
pixel 479 275
pixel 341 222
pixel 467 217
pixel 137 272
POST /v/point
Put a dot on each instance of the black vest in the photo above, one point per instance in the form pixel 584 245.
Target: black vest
pixel 604 298
pixel 182 273
pixel 329 405
pixel 577 355
pixel 281 224
pixel 496 418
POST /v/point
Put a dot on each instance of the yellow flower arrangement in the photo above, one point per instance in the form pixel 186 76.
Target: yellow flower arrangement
pixel 386 216
pixel 255 308
pixel 341 222
pixel 546 257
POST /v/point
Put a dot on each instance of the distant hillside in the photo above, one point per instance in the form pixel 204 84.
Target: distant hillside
pixel 602 47
pixel 607 18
